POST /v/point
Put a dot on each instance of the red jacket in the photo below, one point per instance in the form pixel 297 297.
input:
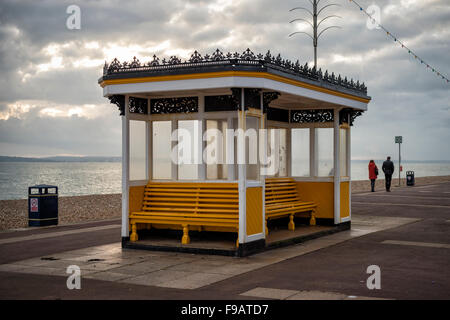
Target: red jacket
pixel 372 167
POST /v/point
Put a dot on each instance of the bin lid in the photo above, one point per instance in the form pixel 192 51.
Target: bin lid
pixel 43 186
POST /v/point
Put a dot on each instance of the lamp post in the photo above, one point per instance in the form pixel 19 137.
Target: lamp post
pixel 399 140
pixel 315 26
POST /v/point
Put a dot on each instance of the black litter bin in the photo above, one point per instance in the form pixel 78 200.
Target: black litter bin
pixel 410 178
pixel 42 205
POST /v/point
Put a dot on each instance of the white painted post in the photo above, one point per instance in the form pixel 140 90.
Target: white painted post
pixel 349 169
pixel 147 150
pixel 337 170
pixel 201 144
pixel 230 150
pixel 125 168
pixel 313 152
pixel 264 152
pixel 288 152
pixel 149 144
pixel 242 174
pixel 174 144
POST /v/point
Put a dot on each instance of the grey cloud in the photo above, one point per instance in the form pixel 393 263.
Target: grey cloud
pixel 73 135
pixel 407 98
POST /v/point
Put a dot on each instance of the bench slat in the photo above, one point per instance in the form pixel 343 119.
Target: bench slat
pixel 143 214
pixel 196 190
pixel 180 194
pixel 192 204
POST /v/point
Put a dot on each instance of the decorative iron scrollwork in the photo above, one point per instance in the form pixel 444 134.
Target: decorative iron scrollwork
pixel 174 60
pixel 119 101
pixel 154 62
pixel 276 114
pixel 354 115
pixel 232 102
pixel 310 116
pixel 138 105
pixel 252 98
pixel 196 57
pixel 248 55
pixel 236 93
pixel 268 97
pixel 174 105
pixel 220 103
pixel 217 56
pixel 348 115
pixel 135 63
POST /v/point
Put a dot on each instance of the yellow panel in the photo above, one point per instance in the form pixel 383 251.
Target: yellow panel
pixel 136 196
pixel 254 210
pixel 345 199
pixel 322 193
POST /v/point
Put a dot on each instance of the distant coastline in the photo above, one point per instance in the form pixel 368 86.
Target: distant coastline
pixel 60 159
pixel 405 161
pixel 119 159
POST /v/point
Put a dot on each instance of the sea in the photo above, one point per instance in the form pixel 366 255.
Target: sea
pixel 87 178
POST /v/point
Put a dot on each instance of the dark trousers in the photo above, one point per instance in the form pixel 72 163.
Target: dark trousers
pixel 372 184
pixel 388 178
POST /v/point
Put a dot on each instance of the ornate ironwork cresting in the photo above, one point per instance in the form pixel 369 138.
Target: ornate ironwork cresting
pixel 246 58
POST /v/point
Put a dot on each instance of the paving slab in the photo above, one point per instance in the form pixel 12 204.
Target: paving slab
pixel 156 278
pixel 107 276
pixel 194 281
pixel 418 244
pixel 270 293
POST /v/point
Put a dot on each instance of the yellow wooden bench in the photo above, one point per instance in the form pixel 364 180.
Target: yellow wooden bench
pixel 282 200
pixel 188 204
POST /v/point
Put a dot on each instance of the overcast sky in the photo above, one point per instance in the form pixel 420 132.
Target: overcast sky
pixel 51 104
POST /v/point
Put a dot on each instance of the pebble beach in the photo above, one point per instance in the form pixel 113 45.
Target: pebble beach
pixel 76 209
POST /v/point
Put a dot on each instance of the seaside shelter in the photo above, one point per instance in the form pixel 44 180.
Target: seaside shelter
pixel 232 143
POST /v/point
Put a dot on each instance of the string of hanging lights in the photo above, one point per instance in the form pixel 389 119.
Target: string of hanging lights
pixel 411 52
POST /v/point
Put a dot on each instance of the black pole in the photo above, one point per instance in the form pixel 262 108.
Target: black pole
pixel 315 32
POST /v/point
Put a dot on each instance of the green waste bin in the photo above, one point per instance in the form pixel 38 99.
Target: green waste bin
pixel 410 178
pixel 42 205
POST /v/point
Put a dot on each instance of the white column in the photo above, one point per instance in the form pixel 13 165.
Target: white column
pixel 337 170
pixel 174 144
pixel 230 149
pixel 125 168
pixel 149 144
pixel 288 152
pixel 201 143
pixel 264 152
pixel 349 168
pixel 147 150
pixel 242 174
pixel 313 152
pixel 149 147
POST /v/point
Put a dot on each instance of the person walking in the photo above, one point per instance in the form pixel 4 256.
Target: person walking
pixel 373 173
pixel 388 169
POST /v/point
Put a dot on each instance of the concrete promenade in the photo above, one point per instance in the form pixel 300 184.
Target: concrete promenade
pixel 406 233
